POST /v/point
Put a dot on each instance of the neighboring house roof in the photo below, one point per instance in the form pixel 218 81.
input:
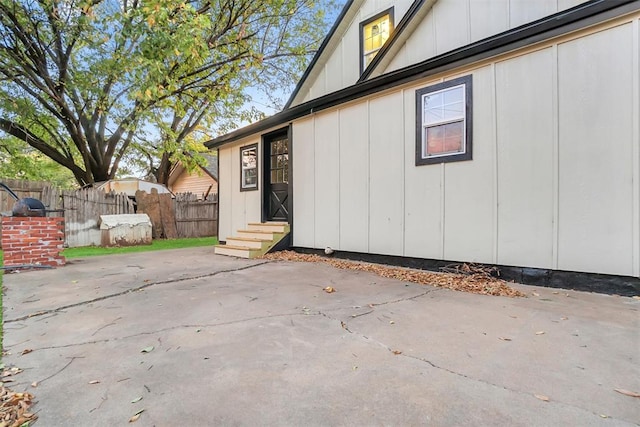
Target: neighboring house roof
pixel 523 35
pixel 211 169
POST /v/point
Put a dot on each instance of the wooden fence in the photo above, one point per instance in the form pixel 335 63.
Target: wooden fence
pixel 184 216
pixel 196 218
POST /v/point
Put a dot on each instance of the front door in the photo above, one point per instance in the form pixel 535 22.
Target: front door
pixel 277 200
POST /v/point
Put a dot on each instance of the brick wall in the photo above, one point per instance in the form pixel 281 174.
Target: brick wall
pixel 32 240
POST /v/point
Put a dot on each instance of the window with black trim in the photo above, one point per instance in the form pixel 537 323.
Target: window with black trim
pixel 444 122
pixel 249 167
pixel 374 32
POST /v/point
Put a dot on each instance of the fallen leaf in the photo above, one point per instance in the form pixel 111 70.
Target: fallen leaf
pixel 564 318
pixel 137 399
pixel 198 330
pixel 396 352
pixel 74 281
pixel 147 349
pixel 26 351
pixel 627 392
pixel 636 297
pixel 535 294
pixel 391 322
pixel 513 317
pixel 604 416
pixel 34 384
pixel 540 333
pixel 504 339
pixel 329 289
pixel 542 397
pixel 136 416
pixel 94 382
pixel 555 292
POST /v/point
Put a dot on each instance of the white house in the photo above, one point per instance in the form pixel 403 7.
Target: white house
pixel 503 132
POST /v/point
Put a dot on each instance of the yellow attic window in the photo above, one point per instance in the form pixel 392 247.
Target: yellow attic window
pixel 374 33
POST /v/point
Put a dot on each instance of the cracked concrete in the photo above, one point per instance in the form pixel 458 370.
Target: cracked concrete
pixel 240 342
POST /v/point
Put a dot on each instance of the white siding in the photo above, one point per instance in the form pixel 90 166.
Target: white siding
pixel 424 187
pixel 225 191
pixel 386 166
pixel 526 138
pixel 469 198
pixel 327 180
pixel 452 24
pixel 354 181
pixel 460 22
pixel 596 146
pixel 303 157
pixel 236 208
pixel 553 182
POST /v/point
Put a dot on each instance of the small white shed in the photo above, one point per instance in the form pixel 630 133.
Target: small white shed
pixel 125 230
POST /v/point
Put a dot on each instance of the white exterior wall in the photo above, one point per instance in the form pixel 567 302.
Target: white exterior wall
pixel 455 23
pixel 236 208
pixel 554 180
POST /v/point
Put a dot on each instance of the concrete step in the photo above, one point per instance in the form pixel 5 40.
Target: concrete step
pixel 250 242
pixel 237 251
pixel 277 227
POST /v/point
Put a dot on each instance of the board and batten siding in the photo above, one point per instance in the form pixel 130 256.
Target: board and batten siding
pixel 554 180
pixel 342 69
pixel 236 208
pixel 451 24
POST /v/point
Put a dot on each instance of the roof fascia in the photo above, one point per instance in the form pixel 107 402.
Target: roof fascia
pixel 322 54
pixel 554 25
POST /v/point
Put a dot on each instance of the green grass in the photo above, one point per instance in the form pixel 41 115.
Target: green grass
pixel 157 245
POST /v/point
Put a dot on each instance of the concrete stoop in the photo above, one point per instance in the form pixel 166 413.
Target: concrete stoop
pixel 256 240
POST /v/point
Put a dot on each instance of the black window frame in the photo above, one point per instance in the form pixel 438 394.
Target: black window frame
pixel 467 82
pixel 242 150
pixel 368 21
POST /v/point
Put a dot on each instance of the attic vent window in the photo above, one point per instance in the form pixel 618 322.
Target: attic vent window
pixel 444 124
pixel 374 32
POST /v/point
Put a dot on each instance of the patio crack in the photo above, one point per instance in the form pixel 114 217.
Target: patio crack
pixel 397 352
pixel 174 327
pixel 128 291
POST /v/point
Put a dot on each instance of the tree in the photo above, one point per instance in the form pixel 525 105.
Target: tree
pixel 23 162
pixel 90 82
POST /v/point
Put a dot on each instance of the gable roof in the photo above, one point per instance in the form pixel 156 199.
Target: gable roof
pixel 559 23
pixel 339 27
pixel 409 22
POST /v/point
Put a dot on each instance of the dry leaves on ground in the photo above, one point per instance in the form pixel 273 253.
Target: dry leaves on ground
pixel 465 278
pixel 14 408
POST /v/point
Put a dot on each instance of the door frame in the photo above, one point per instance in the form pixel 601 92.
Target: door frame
pixel 266 170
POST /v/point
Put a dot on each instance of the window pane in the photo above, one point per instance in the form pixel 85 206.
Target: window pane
pixel 280 176
pixel 249 158
pixel 250 178
pixel 377 41
pixel 453 111
pixel 273 177
pixel 454 95
pixel 286 175
pixel 444 139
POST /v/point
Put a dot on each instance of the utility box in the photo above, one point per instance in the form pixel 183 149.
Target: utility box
pixel 125 230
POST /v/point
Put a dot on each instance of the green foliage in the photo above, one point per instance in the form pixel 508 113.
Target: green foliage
pixel 94 83
pixel 19 161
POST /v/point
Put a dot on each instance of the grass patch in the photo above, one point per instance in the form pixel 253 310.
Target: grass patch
pixel 156 245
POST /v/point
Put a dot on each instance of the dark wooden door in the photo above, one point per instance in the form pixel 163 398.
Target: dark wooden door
pixel 277 177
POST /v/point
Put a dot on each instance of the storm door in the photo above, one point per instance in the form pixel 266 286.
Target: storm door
pixel 277 171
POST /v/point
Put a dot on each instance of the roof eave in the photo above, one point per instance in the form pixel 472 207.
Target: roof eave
pixel 508 40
